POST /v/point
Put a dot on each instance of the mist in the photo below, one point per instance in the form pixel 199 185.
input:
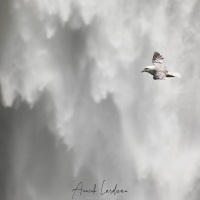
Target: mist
pixel 75 106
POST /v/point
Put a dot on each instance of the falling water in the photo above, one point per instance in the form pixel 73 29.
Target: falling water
pixel 75 106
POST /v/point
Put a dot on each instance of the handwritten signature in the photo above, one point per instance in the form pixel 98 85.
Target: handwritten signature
pixel 80 189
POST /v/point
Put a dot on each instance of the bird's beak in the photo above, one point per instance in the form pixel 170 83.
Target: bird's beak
pixel 143 70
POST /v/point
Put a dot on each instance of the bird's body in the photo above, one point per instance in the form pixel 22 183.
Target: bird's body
pixel 158 70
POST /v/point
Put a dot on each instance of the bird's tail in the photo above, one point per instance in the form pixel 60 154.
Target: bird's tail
pixel 173 74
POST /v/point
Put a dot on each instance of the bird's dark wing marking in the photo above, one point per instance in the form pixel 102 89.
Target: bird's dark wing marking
pixel 159 75
pixel 157 58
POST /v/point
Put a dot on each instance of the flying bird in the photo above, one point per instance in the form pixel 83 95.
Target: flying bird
pixel 158 70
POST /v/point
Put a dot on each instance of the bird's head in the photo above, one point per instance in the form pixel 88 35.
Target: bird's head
pixel 148 69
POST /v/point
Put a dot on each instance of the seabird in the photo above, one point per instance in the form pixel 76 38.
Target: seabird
pixel 158 70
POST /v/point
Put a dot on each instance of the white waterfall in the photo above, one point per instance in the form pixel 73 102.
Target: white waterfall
pixel 75 106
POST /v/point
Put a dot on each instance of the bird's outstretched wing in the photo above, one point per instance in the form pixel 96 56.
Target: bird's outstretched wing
pixel 159 75
pixel 157 58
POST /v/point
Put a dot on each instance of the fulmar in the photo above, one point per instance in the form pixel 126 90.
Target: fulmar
pixel 158 70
